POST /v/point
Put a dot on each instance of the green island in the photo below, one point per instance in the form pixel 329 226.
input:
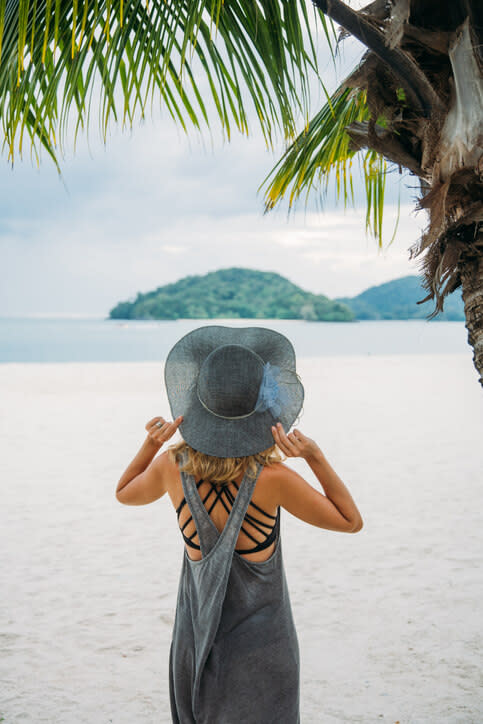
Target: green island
pixel 248 294
pixel 232 294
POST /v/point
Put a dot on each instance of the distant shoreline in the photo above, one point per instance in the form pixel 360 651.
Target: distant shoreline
pixel 203 320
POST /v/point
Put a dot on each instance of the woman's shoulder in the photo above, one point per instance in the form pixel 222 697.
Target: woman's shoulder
pixel 167 466
pixel 276 471
pixel 272 479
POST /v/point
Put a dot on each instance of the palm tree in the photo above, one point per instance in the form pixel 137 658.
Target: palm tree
pixel 416 99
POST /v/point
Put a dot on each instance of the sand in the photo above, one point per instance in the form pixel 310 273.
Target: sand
pixel 388 619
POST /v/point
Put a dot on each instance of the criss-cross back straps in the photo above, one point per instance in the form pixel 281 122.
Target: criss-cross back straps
pixel 208 533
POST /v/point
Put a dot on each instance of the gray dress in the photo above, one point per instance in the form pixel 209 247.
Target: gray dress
pixel 234 655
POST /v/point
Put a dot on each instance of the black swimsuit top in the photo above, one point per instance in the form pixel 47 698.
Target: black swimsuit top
pixel 225 496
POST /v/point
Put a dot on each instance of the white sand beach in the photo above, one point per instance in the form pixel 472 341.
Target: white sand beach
pixel 389 619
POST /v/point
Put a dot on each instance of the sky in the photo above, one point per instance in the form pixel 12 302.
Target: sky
pixel 153 206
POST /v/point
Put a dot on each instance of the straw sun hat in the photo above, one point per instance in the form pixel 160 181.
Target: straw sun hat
pixel 231 385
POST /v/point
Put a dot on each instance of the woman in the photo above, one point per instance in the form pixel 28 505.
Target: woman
pixel 234 395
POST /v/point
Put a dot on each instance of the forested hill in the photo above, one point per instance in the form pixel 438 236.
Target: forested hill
pixel 232 294
pixel 397 300
pixel 247 294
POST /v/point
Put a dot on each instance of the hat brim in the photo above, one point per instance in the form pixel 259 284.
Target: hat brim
pixel 222 437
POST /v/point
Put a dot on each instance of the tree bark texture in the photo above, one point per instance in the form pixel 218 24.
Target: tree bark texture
pixel 471 272
pixel 410 76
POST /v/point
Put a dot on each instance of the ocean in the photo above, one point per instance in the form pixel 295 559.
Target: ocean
pixel 31 339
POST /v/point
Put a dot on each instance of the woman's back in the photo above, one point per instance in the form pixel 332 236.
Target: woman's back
pixel 278 486
pixel 256 540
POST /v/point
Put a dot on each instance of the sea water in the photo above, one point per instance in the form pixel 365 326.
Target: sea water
pixel 105 340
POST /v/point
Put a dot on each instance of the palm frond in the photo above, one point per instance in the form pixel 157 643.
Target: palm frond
pixel 57 56
pixel 322 152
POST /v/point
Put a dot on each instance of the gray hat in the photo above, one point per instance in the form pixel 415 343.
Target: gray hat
pixel 232 384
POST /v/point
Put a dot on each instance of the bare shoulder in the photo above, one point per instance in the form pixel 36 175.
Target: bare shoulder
pixel 272 479
pixel 277 472
pixel 167 466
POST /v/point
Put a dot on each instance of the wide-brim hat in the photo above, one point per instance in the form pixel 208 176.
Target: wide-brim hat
pixel 231 384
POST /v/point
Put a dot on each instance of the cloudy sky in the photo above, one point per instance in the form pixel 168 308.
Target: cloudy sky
pixel 154 206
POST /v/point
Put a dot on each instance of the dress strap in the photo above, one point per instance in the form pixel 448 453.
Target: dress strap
pixel 208 533
pixel 208 577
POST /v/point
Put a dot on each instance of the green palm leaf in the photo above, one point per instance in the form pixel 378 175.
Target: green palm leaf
pixel 194 56
pixel 321 152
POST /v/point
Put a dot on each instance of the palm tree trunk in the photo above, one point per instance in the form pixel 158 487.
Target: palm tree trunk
pixel 439 137
pixel 471 271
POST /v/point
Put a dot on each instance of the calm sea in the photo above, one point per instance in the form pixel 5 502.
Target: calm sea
pixel 102 340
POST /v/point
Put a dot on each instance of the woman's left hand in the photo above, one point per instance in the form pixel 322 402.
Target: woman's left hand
pixel 160 430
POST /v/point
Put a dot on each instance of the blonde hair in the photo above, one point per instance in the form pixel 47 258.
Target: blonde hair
pixel 222 470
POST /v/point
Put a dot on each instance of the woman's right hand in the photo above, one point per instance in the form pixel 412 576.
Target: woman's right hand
pixel 295 444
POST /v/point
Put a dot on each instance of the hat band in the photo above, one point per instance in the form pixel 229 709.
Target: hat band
pixel 225 417
pixel 271 395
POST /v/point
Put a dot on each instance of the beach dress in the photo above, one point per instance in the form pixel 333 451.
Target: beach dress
pixel 234 656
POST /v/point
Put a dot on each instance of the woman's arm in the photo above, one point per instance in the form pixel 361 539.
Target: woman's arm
pixel 336 510
pixel 143 480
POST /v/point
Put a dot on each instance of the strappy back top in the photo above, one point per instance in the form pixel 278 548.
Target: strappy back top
pixel 258 520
